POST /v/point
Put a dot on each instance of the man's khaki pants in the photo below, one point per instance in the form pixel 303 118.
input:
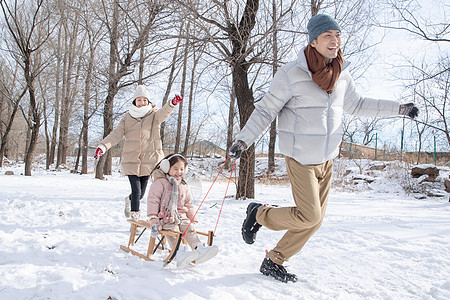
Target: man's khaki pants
pixel 310 187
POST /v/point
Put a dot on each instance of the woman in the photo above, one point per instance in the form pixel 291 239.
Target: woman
pixel 142 148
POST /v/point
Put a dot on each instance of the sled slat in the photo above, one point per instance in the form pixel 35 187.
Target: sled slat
pixel 135 253
pixel 151 246
pixel 132 235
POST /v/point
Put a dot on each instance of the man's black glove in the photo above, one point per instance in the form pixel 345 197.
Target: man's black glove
pixel 237 148
pixel 408 109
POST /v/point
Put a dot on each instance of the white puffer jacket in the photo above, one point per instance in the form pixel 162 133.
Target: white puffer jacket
pixel 310 119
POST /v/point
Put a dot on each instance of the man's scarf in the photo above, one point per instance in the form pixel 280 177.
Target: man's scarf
pixel 324 74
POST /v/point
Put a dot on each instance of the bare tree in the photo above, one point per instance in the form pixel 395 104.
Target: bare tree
pixel 183 85
pixel 170 81
pixel 7 96
pixel 228 26
pixel 196 55
pixel 44 82
pixel 273 126
pixel 427 78
pixel 406 17
pixel 432 90
pixel 28 25
pixel 420 127
pixel 230 127
pixel 364 129
pixel 121 57
pixel 58 53
pixel 73 47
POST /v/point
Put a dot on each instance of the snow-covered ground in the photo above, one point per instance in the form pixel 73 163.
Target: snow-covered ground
pixel 60 235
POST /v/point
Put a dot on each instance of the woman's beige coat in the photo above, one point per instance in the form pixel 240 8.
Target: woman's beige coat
pixel 142 148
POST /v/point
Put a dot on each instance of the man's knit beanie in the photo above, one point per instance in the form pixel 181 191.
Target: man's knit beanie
pixel 319 24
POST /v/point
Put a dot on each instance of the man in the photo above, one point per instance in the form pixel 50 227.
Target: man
pixel 309 95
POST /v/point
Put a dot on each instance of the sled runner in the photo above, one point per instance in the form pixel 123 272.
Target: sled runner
pixel 153 245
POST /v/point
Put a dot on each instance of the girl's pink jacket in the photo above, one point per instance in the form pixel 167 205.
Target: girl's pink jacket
pixel 185 207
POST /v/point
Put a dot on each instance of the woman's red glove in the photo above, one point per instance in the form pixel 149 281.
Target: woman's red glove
pixel 98 153
pixel 177 99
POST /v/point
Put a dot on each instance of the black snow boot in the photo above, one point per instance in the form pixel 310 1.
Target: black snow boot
pixel 269 268
pixel 250 227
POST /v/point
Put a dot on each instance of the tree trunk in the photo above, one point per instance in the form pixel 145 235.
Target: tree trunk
pixel 64 79
pixel 85 137
pixel 183 86
pixel 77 161
pixel 189 118
pixel 47 137
pixel 51 156
pixel 273 126
pixel 231 115
pixel 196 59
pixel 36 119
pixel 272 141
pixel 104 166
pixel 29 121
pixel 105 162
pixel 315 7
pixel 246 183
pixel 2 101
pixel 86 115
pixel 141 64
pixel 69 94
pixel 9 126
pixel 244 95
pixel 169 85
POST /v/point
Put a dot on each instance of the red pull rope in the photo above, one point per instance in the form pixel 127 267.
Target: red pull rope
pixel 206 195
pixel 231 174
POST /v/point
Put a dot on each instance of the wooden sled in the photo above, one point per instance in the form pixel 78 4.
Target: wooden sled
pixel 153 246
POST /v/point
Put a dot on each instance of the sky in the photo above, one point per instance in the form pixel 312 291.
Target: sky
pixel 398 44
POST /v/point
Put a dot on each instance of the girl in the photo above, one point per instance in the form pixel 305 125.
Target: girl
pixel 142 148
pixel 169 207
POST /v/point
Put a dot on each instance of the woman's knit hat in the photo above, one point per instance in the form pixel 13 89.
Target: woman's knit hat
pixel 319 24
pixel 141 91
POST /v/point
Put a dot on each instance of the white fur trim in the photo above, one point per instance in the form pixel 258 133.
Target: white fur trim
pixel 102 147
